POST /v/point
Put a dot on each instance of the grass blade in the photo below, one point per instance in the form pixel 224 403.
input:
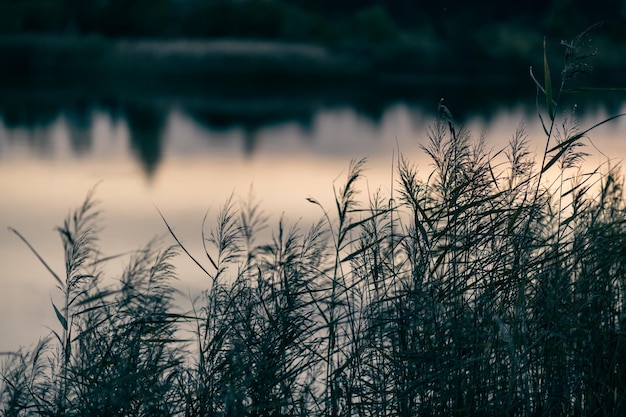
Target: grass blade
pixel 548 82
pixel 180 244
pixel 44 263
pixel 60 316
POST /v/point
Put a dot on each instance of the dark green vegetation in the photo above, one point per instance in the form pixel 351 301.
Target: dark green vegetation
pixel 494 286
pixel 324 20
pixel 389 39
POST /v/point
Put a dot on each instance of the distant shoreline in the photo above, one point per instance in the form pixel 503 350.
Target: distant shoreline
pixel 59 58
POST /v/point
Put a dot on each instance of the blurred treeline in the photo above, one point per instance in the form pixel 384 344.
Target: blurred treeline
pixel 357 40
pixel 302 20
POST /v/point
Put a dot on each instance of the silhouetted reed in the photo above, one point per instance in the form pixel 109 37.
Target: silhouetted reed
pixel 493 287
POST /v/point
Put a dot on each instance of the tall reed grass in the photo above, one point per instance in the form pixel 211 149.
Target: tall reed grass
pixel 493 287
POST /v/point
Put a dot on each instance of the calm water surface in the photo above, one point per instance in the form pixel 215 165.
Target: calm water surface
pixel 186 153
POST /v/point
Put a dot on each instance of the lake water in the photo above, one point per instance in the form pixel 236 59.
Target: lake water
pixel 187 152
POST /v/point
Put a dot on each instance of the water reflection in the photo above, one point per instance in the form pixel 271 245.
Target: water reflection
pixel 187 152
pixel 250 116
pixel 30 117
pixel 79 122
pixel 146 134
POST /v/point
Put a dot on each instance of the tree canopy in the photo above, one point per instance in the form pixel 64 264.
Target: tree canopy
pixel 319 20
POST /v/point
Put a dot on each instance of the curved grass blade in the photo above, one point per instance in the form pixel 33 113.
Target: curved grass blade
pixel 60 316
pixel 563 146
pixel 595 90
pixel 362 221
pixel 548 82
pixel 37 255
pixel 180 244
pixel 356 253
pixel 583 133
pixel 206 251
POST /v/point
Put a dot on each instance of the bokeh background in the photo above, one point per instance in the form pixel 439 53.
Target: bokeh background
pixel 179 103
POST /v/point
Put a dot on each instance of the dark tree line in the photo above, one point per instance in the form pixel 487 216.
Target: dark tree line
pixel 291 19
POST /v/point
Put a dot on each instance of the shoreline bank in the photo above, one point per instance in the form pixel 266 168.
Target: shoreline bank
pixel 38 58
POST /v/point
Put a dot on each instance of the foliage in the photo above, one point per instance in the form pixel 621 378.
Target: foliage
pixel 263 18
pixel 375 24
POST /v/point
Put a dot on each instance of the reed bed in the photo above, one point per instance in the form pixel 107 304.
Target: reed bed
pixel 492 287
